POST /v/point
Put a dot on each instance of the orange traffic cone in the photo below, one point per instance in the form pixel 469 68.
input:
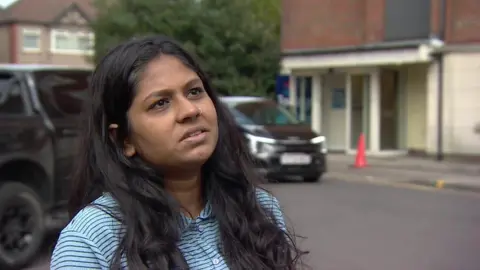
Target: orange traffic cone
pixel 360 159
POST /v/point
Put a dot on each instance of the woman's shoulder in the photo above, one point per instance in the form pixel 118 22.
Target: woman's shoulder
pixel 96 224
pixel 271 204
pixel 267 199
pixel 99 216
pixel 90 238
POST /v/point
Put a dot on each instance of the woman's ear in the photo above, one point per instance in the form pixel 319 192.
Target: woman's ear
pixel 128 148
pixel 112 131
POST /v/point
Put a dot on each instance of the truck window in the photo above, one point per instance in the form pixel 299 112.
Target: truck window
pixel 62 92
pixel 11 101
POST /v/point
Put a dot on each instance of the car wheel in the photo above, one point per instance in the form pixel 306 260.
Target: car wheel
pixel 22 227
pixel 313 179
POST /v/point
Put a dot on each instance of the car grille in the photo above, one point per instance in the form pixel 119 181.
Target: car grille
pixel 301 148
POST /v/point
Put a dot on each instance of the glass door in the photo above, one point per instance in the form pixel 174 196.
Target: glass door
pixel 304 99
pixel 389 111
pixel 359 111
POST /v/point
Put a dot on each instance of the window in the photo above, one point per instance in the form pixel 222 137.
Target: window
pixel 31 40
pixel 11 101
pixel 62 92
pixel 264 113
pixel 85 43
pixel 70 42
pixel 240 117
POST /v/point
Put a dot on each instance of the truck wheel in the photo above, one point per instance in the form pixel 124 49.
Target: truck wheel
pixel 22 227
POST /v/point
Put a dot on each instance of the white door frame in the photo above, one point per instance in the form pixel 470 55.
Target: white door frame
pixel 373 137
pixel 373 114
pixel 348 112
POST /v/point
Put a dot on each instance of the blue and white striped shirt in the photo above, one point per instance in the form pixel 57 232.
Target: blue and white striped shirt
pixel 91 239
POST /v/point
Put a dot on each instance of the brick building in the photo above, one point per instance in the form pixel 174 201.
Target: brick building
pixel 403 72
pixel 47 32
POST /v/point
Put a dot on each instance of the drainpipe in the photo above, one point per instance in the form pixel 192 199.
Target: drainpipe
pixel 440 78
pixel 440 155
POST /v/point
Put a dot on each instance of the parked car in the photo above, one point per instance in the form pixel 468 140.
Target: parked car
pixel 39 106
pixel 281 145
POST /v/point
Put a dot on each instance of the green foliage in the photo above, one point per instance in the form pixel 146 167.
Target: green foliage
pixel 237 41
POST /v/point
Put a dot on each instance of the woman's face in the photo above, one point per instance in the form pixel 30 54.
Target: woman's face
pixel 173 122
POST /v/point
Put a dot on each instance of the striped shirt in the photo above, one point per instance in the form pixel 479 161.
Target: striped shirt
pixel 92 237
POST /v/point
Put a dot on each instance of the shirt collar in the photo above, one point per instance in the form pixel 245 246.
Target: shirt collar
pixel 205 214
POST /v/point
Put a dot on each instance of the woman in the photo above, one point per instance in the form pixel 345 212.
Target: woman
pixel 164 180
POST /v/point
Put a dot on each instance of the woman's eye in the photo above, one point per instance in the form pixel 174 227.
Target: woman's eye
pixel 194 92
pixel 160 104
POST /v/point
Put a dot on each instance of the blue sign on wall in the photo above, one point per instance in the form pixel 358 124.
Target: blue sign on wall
pixel 282 89
pixel 338 98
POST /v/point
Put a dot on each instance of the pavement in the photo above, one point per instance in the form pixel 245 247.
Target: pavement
pixel 406 170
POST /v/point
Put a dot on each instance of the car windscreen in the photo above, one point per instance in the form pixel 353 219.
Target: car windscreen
pixel 265 113
pixel 62 92
pixel 240 118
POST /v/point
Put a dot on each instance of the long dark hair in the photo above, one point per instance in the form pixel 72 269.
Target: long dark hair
pixel 250 237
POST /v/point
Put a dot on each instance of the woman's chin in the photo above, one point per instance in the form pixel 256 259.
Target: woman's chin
pixel 199 155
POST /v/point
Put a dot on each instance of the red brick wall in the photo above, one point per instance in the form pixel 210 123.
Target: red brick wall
pixel 14 40
pixel 374 20
pixel 313 24
pixel 435 12
pixel 463 21
pixel 317 24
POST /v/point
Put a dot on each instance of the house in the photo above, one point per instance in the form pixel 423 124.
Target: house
pixel 47 32
pixel 402 72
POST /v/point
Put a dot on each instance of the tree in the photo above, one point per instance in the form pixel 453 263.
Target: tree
pixel 236 40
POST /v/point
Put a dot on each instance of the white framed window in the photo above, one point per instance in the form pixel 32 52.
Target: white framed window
pixel 31 40
pixel 71 42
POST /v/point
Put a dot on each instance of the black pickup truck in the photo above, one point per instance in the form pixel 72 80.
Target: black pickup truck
pixel 39 109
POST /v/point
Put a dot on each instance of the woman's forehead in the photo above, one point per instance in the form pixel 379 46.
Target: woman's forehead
pixel 166 72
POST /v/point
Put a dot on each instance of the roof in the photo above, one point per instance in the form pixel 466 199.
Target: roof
pixel 45 11
pixel 38 67
pixel 235 100
pixel 241 98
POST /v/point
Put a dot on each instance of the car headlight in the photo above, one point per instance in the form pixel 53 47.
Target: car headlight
pixel 318 139
pixel 265 148
pixel 321 142
pixel 260 145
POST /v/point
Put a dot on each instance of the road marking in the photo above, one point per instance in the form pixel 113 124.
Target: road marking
pixel 433 188
pixel 403 185
pixel 439 184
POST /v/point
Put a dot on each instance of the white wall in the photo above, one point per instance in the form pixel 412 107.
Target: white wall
pixel 461 104
pixel 416 106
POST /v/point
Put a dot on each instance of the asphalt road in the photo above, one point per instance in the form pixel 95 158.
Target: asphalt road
pixel 356 226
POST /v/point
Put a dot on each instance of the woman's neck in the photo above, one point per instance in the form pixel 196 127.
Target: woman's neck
pixel 187 190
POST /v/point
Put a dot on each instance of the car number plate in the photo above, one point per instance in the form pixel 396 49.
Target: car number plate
pixel 295 159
